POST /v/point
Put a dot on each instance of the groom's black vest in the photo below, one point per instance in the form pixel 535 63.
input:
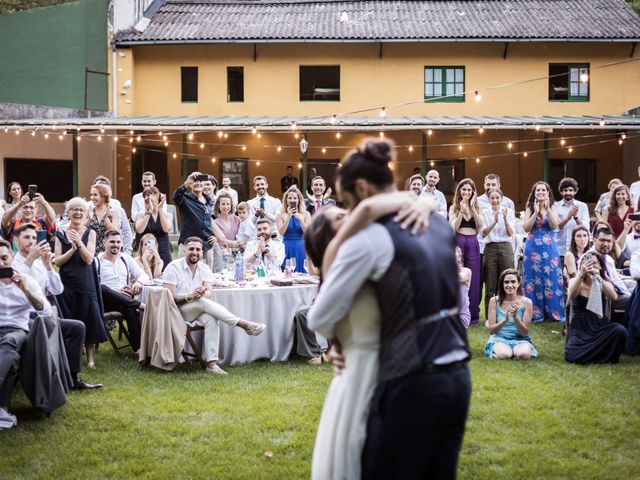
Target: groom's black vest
pixel 418 299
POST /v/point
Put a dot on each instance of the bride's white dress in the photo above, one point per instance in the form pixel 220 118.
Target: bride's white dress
pixel 342 429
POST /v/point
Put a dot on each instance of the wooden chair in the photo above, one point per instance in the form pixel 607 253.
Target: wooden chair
pixel 119 319
pixel 197 353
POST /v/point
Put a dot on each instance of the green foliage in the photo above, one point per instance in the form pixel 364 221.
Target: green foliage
pixel 538 419
pixel 635 4
pixel 11 6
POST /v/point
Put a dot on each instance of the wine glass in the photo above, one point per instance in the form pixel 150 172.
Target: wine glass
pixel 306 265
pixel 293 264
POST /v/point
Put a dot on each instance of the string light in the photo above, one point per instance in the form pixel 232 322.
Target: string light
pixel 338 135
pixel 296 136
pixel 433 164
pixel 477 159
pixel 623 136
pixel 60 137
pixel 175 155
pixel 562 141
pixel 254 130
pixel 620 141
pixel 190 136
pixel 537 127
pixel 410 148
pixel 213 159
pixel 244 148
pixel 160 134
pixel 134 150
pixel 602 122
pixel 220 134
pixel 293 125
pixel 459 148
pixel 258 163
pixel 481 130
pixel 202 146
pixel 324 150
pixel 130 139
pixel 478 96
pixel 102 130
pixel 570 149
pixel 429 132
pixel 525 154
pixel 139 138
pixel 115 139
pixel 226 135
pixel 279 148
pixel 259 135
pixel 299 165
pixel 381 134
pixel 78 138
pixel 46 136
pixel 165 138
pixel 33 133
pixel 130 132
pixel 166 144
pixel 383 112
pixel 333 120
pixel 584 75
pixel 99 137
pixel 18 132
pixel 6 129
pixel 509 145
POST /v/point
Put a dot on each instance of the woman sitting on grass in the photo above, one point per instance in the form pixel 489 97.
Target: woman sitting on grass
pixel 591 336
pixel 509 320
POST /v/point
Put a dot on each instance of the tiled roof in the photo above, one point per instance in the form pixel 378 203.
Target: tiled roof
pixel 205 21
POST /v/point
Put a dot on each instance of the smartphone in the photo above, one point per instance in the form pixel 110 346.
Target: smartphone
pixel 6 272
pixel 40 236
pixel 150 243
pixel 33 189
pixel 202 178
pixel 634 217
pixel 293 205
pixel 587 258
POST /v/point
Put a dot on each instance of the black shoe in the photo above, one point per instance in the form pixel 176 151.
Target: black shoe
pixel 82 385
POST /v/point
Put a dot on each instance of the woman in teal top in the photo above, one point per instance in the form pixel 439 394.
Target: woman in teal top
pixel 509 320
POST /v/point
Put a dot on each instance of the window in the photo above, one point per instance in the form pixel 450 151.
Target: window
pixel 321 83
pixel 451 172
pixel 189 84
pixel 54 178
pixel 235 84
pixel 582 169
pixel 237 171
pixel 569 82
pixel 444 84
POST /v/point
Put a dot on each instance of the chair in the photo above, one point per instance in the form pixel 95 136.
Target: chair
pixel 110 317
pixel 197 353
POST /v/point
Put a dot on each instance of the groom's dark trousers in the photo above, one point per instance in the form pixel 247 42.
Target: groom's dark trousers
pixel 419 408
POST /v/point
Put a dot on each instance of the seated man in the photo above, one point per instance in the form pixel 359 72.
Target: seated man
pixel 34 259
pixel 266 247
pixel 115 269
pixel 20 295
pixel 27 209
pixel 189 280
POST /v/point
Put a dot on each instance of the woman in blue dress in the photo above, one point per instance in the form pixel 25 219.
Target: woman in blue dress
pixel 542 275
pixel 509 320
pixel 292 222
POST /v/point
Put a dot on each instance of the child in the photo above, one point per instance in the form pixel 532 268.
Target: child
pixel 464 277
pixel 247 230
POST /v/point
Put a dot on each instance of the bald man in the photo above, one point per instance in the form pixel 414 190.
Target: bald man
pixel 430 190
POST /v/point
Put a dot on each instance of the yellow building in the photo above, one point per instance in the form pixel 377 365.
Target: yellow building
pixel 528 90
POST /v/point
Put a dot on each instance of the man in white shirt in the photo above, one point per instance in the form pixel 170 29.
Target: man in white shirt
pixel 603 243
pixel 114 204
pixel 226 187
pixel 492 181
pixel 115 270
pixel 34 259
pixel 263 205
pixel 265 248
pixel 635 193
pixel 416 184
pixel 430 190
pixel 189 280
pixel 629 241
pixel 137 202
pixel 572 213
pixel 19 296
pixel 634 266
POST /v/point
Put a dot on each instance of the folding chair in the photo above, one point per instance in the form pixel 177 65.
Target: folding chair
pixel 110 317
pixel 197 353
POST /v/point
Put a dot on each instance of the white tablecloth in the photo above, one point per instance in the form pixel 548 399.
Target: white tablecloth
pixel 273 306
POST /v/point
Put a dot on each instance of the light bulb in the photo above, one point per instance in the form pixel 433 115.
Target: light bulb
pixel 602 122
pixel 254 130
pixel 160 133
pixel 584 75
pixel 478 96
pixel 220 133
pixel 411 148
pixel 481 130
pixel 115 139
pixel 338 135
pixel 46 136
pixel 226 135
pixel 433 164
pixel 296 136
pixel 139 138
pixel 258 163
pixel 99 137
pixel 202 146
pixel 259 135
pixel 213 160
pixel 429 132
pixel 537 128
pixel 6 130
pixel 279 149
pixel 166 144
pixel 620 141
pixel 60 137
pixel 562 141
pixel 293 125
pixel 570 149
pixel 381 134
pixel 33 133
pixel 175 155
pixel 78 138
pixel 130 139
pixel 623 136
pixel 324 150
pixel 18 132
pixel 134 150
pixel 333 120
pixel 525 154
pixel 190 136
pixel 244 148
pixel 102 130
pixel 130 132
pixel 299 165
pixel 509 145
pixel 477 159
pixel 459 148
pixel 383 112
pixel 165 138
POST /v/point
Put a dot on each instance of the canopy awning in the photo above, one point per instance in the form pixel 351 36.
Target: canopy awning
pixel 187 123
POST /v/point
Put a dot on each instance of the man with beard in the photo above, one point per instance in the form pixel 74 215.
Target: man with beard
pixel 629 239
pixel 28 209
pixel 34 259
pixel 419 407
pixel 416 184
pixel 603 244
pixel 189 280
pixel 492 181
pixel 137 202
pixel 115 269
pixel 572 213
pixel 288 180
pixel 263 205
pixel 318 200
pixel 265 247
pixel 430 190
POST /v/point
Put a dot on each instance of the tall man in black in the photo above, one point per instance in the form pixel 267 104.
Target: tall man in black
pixel 288 180
pixel 419 407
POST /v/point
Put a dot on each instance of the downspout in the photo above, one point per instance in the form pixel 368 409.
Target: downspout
pixel 114 77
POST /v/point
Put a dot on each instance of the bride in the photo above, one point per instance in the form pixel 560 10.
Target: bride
pixel 342 428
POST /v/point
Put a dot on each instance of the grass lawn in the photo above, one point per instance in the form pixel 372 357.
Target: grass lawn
pixel 537 419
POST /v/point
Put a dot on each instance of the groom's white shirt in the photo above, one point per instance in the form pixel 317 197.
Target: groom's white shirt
pixel 365 256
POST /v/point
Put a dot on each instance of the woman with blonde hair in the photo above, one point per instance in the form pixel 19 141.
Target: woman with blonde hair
pixel 100 216
pixel 148 256
pixel 466 219
pixel 156 221
pixel 292 222
pixel 226 224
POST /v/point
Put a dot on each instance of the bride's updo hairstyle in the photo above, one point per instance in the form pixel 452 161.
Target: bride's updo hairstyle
pixel 368 162
pixel 317 237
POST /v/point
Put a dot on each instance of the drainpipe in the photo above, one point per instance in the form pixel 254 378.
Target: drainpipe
pixel 114 77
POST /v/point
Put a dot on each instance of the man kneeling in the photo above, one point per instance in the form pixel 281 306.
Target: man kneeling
pixel 190 280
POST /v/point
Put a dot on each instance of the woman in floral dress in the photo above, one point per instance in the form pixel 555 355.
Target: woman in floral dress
pixel 542 275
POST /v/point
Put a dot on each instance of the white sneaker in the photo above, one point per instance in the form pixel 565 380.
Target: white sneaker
pixel 255 329
pixel 7 420
pixel 216 370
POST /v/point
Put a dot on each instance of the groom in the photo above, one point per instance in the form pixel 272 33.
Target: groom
pixel 419 407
